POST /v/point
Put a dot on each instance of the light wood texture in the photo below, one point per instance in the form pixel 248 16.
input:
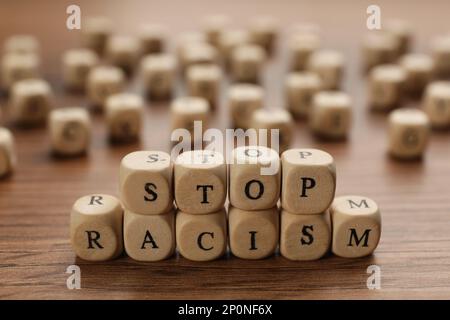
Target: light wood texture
pixel 414 197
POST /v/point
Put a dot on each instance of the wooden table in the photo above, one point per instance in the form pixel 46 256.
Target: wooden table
pixel 35 202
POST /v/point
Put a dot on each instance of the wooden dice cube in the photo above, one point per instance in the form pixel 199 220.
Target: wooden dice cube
pixel 301 47
pixel 305 237
pixel 201 237
pixel 198 53
pixel 356 224
pixel 379 48
pixel 243 100
pixel 309 181
pixel 96 227
pixel 7 152
pixel 214 25
pixel 158 74
pixel 145 182
pixel 255 174
pixel 70 131
pixel 247 63
pixel 436 104
pixel 96 32
pixel 102 82
pixel 18 66
pixel 253 234
pixel 401 30
pixel 265 121
pixel 231 39
pixel 30 102
pixel 409 131
pixel 186 111
pixel 300 87
pixel 123 52
pixel 386 87
pixel 329 65
pixel 21 43
pixel 185 40
pixel 331 114
pixel 77 63
pixel 419 72
pixel 200 181
pixel 204 81
pixel 124 112
pixel 153 38
pixel 440 47
pixel 149 237
pixel 263 32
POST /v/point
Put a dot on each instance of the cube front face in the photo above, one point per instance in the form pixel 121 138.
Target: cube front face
pixel 300 90
pixel 200 181
pixel 146 182
pixel 244 100
pixel 103 82
pixel 386 87
pixel 305 237
pixel 7 152
pixel 437 104
pixel 201 237
pixel 77 64
pixel 253 234
pixel 309 181
pixel 96 227
pixel 124 115
pixel 255 174
pixel 356 226
pixel 149 237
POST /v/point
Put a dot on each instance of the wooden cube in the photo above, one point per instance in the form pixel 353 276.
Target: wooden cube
pixel 123 52
pixel 96 32
pixel 204 81
pixel 77 63
pixel 200 181
pixel 145 182
pixel 214 25
pixel 419 72
pixel 379 48
pixel 329 65
pixel 300 87
pixel 253 234
pixel 153 38
pixel 247 63
pixel 263 32
pixel 305 237
pixel 21 43
pixel 309 181
pixel 440 47
pixel 201 237
pixel 158 73
pixel 30 102
pixel 437 104
pixel 356 222
pixel 243 100
pixel 386 87
pixel 70 131
pixel 409 131
pixel 7 152
pixel 273 119
pixel 149 237
pixel 401 30
pixel 301 47
pixel 187 110
pixel 96 227
pixel 231 39
pixel 187 39
pixel 198 53
pixel 19 66
pixel 102 82
pixel 124 112
pixel 331 114
pixel 255 174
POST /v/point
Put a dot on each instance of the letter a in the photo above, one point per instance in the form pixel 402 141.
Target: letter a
pixel 374 19
pixel 74 19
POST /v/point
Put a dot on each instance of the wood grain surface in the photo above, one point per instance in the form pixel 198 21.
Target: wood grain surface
pixel 414 197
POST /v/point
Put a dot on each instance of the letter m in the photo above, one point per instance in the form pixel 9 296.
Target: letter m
pixel 353 204
pixel 354 236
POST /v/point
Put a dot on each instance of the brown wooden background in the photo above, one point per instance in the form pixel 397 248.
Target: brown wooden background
pixel 414 253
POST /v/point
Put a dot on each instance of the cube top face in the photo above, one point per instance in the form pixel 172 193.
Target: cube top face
pixel 332 100
pixel 146 182
pixel 264 24
pixel 128 101
pixel 305 237
pixel 216 22
pixel 326 59
pixel 97 205
pixel 380 41
pixel 158 62
pixel 200 181
pixel 106 75
pixel 123 44
pixel 439 90
pixel 31 87
pixel 190 105
pixel 246 92
pixel 204 72
pixel 441 44
pixel 249 53
pixel 409 116
pixel 81 56
pixel 231 38
pixel 309 181
pixel 304 41
pixel 253 234
pixel 152 31
pixel 198 52
pixel 252 155
pixel 303 80
pixel 97 25
pixel 201 237
pixel 417 62
pixel 356 226
pixel 264 118
pixel 69 114
pixel 21 43
pixel 389 73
